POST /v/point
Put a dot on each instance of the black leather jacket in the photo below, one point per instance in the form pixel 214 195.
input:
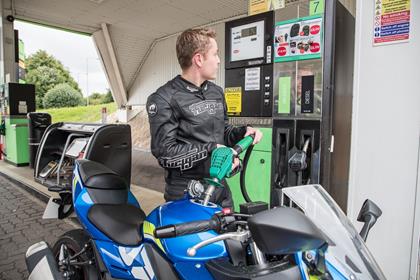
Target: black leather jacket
pixel 186 123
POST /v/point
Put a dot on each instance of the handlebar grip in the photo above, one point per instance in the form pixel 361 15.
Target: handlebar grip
pixel 195 227
pixel 186 228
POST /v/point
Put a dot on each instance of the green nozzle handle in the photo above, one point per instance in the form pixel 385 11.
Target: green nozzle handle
pixel 243 144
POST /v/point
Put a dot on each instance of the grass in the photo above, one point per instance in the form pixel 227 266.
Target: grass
pixel 85 114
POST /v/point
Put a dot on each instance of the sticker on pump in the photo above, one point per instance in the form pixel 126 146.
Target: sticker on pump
pixel 315 47
pixel 298 39
pixel 233 96
pixel 281 51
pixel 315 29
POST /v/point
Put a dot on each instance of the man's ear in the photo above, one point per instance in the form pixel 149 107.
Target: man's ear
pixel 198 59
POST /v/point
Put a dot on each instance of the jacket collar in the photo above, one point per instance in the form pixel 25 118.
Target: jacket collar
pixel 184 84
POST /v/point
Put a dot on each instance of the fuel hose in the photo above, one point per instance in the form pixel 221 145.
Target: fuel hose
pixel 243 173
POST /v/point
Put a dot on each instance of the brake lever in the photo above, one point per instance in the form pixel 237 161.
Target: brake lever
pixel 241 236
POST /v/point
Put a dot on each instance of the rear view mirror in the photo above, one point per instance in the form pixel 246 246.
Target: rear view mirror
pixel 284 230
pixel 369 213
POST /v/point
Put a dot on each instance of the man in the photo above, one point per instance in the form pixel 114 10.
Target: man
pixel 188 117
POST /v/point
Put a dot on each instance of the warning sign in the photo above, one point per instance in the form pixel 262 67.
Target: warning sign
pixel 233 96
pixel 391 22
pixel 261 6
pixel 258 6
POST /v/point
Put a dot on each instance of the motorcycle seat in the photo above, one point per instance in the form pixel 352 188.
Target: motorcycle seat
pixel 98 176
pixel 120 222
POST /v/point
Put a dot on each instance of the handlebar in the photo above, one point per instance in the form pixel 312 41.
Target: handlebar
pixel 187 228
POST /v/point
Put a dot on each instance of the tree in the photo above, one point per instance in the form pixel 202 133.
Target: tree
pixel 62 95
pixel 96 98
pixel 45 72
pixel 100 98
pixel 108 97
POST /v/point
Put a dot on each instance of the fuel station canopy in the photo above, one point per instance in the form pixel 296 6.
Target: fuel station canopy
pixel 125 31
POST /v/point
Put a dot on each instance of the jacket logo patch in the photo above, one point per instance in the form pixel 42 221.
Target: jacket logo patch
pixel 152 109
pixel 191 89
pixel 210 106
pixel 184 161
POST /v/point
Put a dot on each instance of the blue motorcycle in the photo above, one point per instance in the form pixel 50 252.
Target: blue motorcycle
pixel 308 237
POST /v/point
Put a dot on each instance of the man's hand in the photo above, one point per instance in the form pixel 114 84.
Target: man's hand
pixel 235 163
pixel 256 132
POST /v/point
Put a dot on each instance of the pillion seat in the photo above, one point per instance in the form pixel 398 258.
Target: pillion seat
pixel 103 184
pixel 98 176
pixel 111 213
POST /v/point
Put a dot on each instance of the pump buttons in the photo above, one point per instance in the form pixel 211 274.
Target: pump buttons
pixel 267 86
pixel 267 83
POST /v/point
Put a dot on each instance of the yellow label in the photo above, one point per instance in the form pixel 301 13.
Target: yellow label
pixel 393 6
pixel 258 6
pixel 233 98
pixel 262 6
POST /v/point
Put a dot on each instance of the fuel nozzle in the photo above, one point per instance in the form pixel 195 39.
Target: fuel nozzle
pixel 298 161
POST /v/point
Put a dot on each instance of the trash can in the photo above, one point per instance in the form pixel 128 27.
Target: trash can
pixel 38 123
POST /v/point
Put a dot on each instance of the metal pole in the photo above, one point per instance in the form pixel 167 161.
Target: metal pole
pixel 87 81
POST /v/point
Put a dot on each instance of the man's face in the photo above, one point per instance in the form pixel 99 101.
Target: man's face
pixel 210 61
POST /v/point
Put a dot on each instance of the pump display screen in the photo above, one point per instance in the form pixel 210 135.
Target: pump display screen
pixel 252 31
pixel 247 41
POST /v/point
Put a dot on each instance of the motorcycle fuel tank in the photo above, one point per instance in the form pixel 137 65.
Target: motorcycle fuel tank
pixel 183 211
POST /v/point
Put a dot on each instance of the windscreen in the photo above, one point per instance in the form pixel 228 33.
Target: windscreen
pixel 347 252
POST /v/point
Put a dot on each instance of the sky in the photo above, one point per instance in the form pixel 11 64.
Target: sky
pixel 75 51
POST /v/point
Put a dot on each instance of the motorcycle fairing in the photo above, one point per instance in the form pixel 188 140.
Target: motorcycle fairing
pixel 126 262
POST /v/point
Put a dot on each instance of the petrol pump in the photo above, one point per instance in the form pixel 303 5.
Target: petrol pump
pixel 249 95
pixel 18 100
pixel 289 73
